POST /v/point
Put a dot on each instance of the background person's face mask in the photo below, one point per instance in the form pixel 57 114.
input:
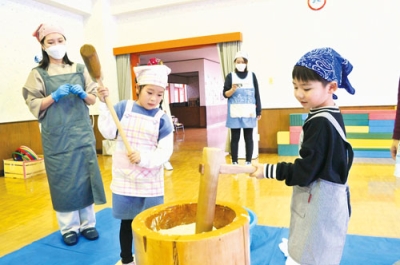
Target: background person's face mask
pixel 57 51
pixel 241 66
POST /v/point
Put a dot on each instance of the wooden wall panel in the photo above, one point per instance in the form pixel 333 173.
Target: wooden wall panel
pixel 13 135
pixel 189 116
pixel 273 121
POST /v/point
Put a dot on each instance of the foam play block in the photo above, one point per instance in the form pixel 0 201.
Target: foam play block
pixel 283 137
pixel 355 122
pixel 383 115
pixel 369 136
pixel 372 153
pixel 294 137
pixel 370 143
pixel 297 119
pixel 295 132
pixel 288 150
pixel 381 129
pixel 357 129
pixel 354 111
pixel 380 123
pixel 368 131
pixel 354 116
pixel 369 111
pixel 295 129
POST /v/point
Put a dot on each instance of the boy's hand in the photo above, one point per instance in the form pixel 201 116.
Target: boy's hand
pixel 259 173
pixel 393 148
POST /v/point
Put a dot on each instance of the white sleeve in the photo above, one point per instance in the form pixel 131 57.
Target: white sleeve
pixel 159 156
pixel 105 122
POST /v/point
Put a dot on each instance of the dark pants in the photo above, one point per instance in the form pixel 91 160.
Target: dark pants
pixel 248 139
pixel 126 241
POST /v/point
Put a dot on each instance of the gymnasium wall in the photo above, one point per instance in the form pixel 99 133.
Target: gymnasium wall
pixel 276 33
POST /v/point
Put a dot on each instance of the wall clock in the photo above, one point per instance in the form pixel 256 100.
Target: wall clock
pixel 316 4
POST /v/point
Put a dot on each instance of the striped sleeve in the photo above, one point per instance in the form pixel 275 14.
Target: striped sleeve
pixel 270 171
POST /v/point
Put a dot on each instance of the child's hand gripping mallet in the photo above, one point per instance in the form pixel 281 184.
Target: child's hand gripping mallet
pixel 89 56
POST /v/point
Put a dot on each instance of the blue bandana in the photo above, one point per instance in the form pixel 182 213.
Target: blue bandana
pixel 328 64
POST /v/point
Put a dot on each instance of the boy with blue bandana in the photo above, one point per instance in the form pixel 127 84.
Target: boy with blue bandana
pixel 320 206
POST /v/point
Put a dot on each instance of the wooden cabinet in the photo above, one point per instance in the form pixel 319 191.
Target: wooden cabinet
pixel 191 117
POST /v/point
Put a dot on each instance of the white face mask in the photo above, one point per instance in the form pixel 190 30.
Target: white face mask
pixel 241 66
pixel 57 51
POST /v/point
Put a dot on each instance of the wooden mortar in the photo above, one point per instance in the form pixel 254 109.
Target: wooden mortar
pixel 228 244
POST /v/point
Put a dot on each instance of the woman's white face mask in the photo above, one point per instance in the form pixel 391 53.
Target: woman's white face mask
pixel 241 66
pixel 57 51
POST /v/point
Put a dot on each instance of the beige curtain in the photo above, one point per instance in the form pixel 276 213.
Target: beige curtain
pixel 227 52
pixel 124 76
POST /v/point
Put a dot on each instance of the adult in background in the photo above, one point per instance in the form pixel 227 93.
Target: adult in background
pixel 57 92
pixel 244 106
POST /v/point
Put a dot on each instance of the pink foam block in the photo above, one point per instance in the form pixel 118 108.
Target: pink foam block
pixel 295 134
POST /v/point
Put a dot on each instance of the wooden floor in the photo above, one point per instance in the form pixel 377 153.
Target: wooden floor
pixel 26 213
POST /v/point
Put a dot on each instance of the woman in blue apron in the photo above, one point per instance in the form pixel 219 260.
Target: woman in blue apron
pixel 244 106
pixel 320 206
pixel 57 92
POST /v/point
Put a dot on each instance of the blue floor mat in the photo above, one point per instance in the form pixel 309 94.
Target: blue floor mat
pixel 264 248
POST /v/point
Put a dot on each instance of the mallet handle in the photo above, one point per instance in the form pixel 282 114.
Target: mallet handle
pixel 116 120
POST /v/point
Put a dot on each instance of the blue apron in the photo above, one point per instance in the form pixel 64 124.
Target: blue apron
pixel 242 104
pixel 69 148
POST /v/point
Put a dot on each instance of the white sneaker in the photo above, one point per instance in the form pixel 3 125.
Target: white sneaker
pixel 130 263
pixel 283 246
pixel 168 166
pixel 248 163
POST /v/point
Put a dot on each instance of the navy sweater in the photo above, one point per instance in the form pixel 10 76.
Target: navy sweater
pixel 323 153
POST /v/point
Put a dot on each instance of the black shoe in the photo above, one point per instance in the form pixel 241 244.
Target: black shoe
pixel 90 233
pixel 70 238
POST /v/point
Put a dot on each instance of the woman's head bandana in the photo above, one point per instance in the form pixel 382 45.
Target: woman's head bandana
pixel 328 64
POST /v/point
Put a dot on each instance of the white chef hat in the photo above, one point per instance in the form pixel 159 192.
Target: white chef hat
pixel 152 75
pixel 241 54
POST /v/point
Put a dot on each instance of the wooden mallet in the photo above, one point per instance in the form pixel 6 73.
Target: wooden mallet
pixel 89 56
pixel 213 165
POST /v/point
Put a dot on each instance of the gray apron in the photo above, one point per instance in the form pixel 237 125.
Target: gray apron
pixel 319 219
pixel 69 148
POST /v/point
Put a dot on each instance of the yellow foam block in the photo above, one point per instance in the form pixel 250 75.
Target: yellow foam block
pixel 283 137
pixel 370 143
pixel 357 129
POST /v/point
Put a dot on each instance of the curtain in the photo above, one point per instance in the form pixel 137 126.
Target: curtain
pixel 227 52
pixel 124 76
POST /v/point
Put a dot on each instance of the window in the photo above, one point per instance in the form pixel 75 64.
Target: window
pixel 177 93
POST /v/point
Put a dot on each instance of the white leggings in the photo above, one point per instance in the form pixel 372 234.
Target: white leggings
pixel 76 220
pixel 290 261
pixel 283 246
